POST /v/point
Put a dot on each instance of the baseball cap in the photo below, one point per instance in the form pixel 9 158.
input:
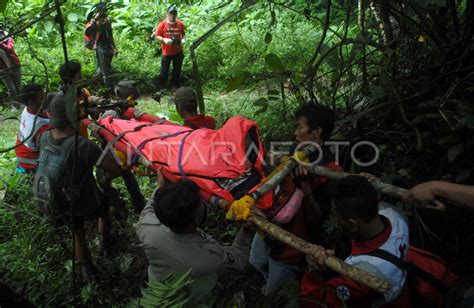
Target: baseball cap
pixel 126 88
pixel 184 95
pixel 173 9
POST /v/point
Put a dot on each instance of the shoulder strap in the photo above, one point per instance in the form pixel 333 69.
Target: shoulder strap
pixel 387 256
pixel 410 267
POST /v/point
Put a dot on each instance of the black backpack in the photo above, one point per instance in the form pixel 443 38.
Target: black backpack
pixel 50 187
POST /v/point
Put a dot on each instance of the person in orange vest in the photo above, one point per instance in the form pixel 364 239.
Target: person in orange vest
pixel 172 35
pixel 33 123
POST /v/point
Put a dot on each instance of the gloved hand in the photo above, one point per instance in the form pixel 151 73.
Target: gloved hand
pixel 123 160
pixel 240 209
pixel 183 40
pixel 167 41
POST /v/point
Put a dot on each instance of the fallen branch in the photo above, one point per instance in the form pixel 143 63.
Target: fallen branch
pixel 333 263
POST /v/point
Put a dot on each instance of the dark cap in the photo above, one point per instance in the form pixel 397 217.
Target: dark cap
pixel 57 108
pixel 173 10
pixel 125 89
pixel 184 95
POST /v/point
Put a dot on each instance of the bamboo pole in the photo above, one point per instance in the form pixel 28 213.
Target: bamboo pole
pixel 282 171
pixel 333 263
pixel 384 188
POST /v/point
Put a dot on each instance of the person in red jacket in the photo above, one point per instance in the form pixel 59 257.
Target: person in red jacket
pixel 33 123
pixel 186 106
pixel 371 225
pixel 10 67
pixel 172 35
pixel 279 262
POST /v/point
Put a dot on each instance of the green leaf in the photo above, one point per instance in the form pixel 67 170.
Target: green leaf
pixel 235 82
pixel 378 92
pixel 72 17
pixel 273 93
pixel 263 109
pixel 126 261
pixel 262 101
pixel 48 26
pixel 268 38
pixel 3 5
pixel 274 62
pixel 455 151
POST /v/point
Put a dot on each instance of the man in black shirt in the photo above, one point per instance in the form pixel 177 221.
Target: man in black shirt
pixel 101 30
pixel 77 197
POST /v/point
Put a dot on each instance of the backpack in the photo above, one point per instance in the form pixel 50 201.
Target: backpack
pixel 90 36
pixel 49 186
pixel 428 275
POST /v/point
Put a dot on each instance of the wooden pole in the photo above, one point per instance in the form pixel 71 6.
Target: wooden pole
pixel 384 188
pixel 333 263
pixel 282 171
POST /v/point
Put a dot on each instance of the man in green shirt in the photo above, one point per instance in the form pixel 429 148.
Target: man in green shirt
pixel 173 243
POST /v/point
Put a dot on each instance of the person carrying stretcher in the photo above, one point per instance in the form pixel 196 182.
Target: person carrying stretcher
pixel 186 106
pixel 170 234
pixel 300 205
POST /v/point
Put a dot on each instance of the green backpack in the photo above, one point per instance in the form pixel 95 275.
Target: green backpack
pixel 50 186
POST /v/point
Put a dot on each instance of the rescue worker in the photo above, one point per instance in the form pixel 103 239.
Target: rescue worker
pixel 71 73
pixel 89 203
pixel 371 226
pixel 101 29
pixel 33 123
pixel 423 194
pixel 171 34
pixel 10 66
pixel 186 105
pixel 279 262
pixel 168 230
pixel 124 90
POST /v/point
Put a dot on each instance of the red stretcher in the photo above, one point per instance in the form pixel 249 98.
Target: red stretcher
pixel 225 163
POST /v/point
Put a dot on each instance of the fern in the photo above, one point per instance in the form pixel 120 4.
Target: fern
pixel 172 291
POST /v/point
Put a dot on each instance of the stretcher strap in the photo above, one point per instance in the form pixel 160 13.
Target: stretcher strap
pixel 144 142
pixel 180 156
pixel 136 129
